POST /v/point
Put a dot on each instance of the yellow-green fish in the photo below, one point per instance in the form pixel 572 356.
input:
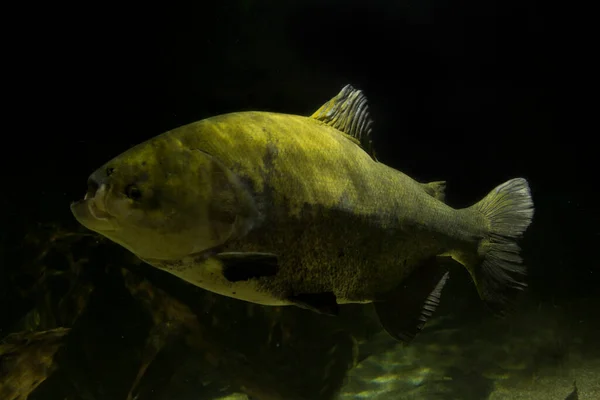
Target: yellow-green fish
pixel 280 209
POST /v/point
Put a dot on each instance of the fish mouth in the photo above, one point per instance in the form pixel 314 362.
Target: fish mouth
pixel 92 213
pixel 97 204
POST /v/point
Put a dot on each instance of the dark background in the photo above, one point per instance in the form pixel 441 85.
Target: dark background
pixel 466 91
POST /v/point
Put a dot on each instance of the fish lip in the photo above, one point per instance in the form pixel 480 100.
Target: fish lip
pixel 97 211
pixel 97 204
pixel 88 214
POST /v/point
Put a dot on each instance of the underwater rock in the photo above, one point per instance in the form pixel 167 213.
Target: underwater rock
pixel 26 360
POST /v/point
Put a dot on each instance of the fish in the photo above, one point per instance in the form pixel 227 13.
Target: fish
pixel 291 210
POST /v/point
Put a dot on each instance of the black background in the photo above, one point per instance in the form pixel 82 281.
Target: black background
pixel 472 92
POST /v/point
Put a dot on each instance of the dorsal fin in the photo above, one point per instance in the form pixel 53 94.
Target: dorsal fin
pixel 348 112
pixel 436 189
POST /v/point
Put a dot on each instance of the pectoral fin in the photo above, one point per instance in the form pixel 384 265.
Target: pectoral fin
pixel 404 311
pixel 245 266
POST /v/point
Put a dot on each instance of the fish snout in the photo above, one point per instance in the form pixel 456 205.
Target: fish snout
pixel 93 186
pixel 96 180
pixel 95 197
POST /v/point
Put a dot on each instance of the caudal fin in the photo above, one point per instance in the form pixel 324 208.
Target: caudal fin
pixel 509 211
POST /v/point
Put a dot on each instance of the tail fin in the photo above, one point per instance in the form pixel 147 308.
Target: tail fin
pixel 509 211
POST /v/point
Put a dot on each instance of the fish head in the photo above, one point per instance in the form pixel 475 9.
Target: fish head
pixel 164 200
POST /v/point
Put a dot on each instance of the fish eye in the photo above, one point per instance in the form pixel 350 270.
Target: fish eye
pixel 109 171
pixel 133 192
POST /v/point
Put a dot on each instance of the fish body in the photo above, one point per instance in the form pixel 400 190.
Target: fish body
pixel 281 209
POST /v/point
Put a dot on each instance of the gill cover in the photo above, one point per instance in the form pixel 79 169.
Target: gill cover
pixel 163 200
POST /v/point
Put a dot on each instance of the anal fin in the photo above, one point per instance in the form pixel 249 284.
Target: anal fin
pixel 245 266
pixel 404 311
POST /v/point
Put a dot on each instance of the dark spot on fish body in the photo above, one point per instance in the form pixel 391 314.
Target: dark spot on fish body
pixel 109 171
pixel 245 266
